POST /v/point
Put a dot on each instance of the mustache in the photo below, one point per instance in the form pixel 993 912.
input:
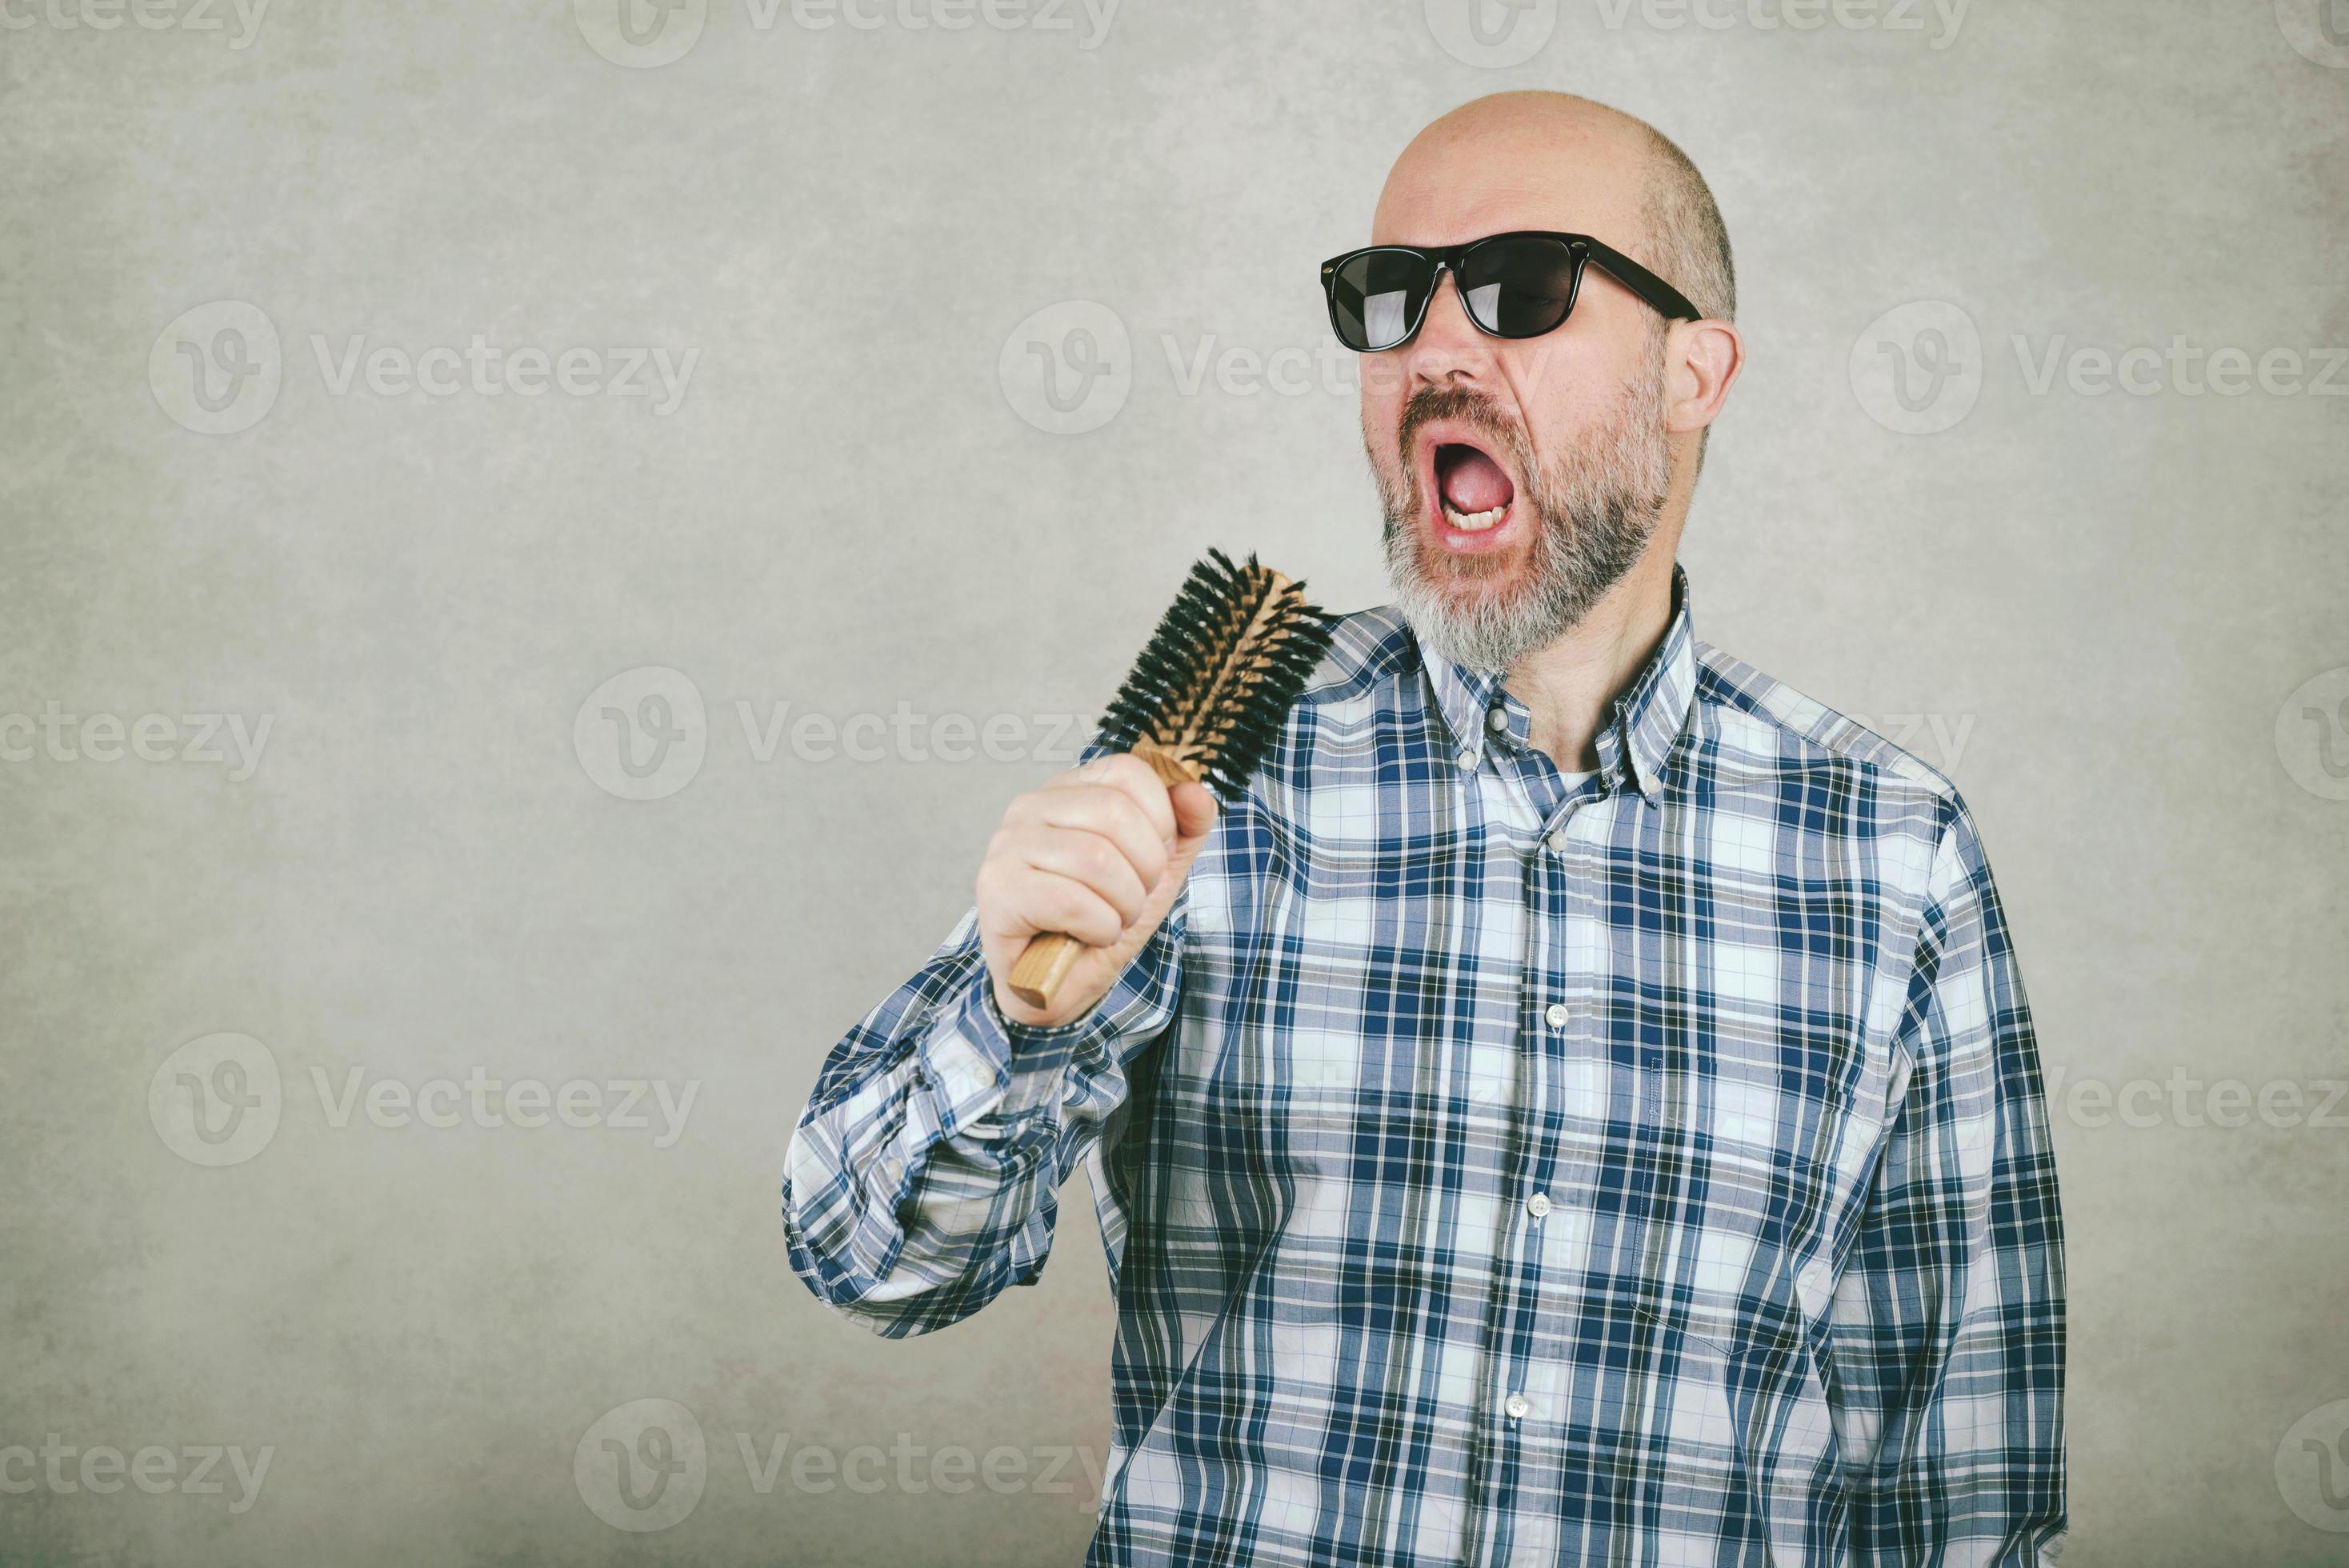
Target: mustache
pixel 1467 407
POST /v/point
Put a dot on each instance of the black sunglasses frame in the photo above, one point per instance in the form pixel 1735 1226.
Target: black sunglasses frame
pixel 1666 299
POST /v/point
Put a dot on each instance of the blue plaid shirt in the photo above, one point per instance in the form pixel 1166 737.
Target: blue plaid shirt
pixel 1500 1167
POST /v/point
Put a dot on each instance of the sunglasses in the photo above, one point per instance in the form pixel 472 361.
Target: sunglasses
pixel 1518 285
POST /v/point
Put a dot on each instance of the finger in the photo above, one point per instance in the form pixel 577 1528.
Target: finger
pixel 1109 814
pixel 1056 904
pixel 1131 776
pixel 1196 811
pixel 1087 858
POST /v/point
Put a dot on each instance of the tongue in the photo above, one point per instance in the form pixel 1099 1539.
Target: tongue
pixel 1473 482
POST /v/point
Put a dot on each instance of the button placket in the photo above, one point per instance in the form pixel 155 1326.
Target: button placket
pixel 1522 1263
pixel 1574 1042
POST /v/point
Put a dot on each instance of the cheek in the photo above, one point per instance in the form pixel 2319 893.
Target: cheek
pixel 1385 381
pixel 1382 420
pixel 1570 417
pixel 1569 383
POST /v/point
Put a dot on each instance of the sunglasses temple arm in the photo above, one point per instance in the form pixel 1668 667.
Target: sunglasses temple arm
pixel 1667 301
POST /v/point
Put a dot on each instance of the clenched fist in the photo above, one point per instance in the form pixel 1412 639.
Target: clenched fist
pixel 1100 852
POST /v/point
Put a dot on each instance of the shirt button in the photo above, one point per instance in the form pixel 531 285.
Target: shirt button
pixel 1537 1205
pixel 1557 841
pixel 1516 1405
pixel 1555 1014
pixel 1500 720
pixel 1467 757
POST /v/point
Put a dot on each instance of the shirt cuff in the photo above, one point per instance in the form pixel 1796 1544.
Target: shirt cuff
pixel 982 1068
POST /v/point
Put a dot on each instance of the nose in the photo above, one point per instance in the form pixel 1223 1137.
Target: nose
pixel 1449 348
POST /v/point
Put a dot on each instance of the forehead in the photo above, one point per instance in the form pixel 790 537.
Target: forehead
pixel 1459 183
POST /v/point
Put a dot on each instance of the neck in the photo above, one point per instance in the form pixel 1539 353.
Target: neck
pixel 1569 686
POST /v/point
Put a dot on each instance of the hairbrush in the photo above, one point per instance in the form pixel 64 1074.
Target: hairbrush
pixel 1207 699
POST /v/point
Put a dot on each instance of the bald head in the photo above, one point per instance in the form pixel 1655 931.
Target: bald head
pixel 1553 160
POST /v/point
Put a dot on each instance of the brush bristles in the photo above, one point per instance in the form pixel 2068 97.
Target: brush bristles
pixel 1217 679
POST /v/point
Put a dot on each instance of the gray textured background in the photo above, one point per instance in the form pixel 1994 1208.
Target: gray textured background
pixel 2102 613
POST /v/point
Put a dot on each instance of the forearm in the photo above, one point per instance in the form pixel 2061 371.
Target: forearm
pixel 923 1177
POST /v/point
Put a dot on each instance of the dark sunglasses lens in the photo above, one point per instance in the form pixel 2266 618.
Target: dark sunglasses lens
pixel 1376 298
pixel 1519 288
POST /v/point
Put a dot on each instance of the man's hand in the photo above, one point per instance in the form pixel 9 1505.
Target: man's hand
pixel 1099 852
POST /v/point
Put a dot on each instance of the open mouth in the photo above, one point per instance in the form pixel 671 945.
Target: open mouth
pixel 1472 494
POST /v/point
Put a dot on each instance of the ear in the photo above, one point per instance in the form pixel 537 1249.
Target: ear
pixel 1701 360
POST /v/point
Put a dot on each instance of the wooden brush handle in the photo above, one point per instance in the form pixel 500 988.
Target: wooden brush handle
pixel 1049 956
pixel 1043 964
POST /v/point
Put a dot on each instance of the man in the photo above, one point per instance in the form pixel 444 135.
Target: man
pixel 1580 1105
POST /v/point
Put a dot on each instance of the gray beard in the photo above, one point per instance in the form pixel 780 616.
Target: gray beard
pixel 1594 512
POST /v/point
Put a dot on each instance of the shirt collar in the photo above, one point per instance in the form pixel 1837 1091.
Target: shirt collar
pixel 1644 721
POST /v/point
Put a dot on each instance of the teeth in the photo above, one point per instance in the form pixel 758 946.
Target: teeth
pixel 1474 522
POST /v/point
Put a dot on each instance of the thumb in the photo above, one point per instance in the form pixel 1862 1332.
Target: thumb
pixel 1195 810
